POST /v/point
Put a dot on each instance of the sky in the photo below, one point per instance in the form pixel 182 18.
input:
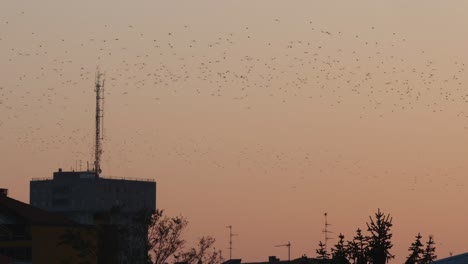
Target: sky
pixel 262 115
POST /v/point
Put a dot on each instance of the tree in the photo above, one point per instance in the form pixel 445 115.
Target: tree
pixel 358 248
pixel 416 251
pixel 340 252
pixel 114 237
pixel 380 238
pixel 322 251
pixel 165 242
pixel 83 240
pixel 205 252
pixel 133 234
pixel 429 252
pixel 164 236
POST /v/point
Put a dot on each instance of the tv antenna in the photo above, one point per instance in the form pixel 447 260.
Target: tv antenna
pixel 99 89
pixel 230 240
pixel 326 232
pixel 289 249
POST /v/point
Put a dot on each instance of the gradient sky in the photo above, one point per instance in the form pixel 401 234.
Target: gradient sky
pixel 262 115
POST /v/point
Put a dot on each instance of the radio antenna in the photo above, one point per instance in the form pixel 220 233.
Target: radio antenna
pixel 230 240
pixel 99 89
pixel 326 232
pixel 288 245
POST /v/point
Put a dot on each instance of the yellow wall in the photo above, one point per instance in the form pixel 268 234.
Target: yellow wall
pixel 46 248
pixel 15 243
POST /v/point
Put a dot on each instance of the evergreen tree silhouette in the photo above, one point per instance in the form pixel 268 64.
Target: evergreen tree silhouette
pixel 358 248
pixel 429 255
pixel 380 238
pixel 322 252
pixel 340 252
pixel 416 250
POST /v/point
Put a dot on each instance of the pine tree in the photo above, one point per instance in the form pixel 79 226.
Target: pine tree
pixel 357 249
pixel 416 250
pixel 429 255
pixel 322 252
pixel 380 238
pixel 340 252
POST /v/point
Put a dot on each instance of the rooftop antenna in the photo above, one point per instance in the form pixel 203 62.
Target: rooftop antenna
pixel 289 249
pixel 230 240
pixel 99 89
pixel 326 232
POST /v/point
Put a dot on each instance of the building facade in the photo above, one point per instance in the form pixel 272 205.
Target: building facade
pixel 80 195
pixel 111 204
pixel 32 235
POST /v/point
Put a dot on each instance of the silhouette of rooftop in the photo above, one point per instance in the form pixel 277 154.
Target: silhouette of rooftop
pixel 32 214
pixel 275 260
pixel 458 259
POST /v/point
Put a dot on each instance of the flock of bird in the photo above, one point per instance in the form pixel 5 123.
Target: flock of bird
pixel 52 79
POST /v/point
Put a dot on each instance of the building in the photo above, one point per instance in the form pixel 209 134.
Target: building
pixel 32 235
pixel 457 259
pixel 117 210
pixel 80 195
pixel 110 203
pixel 275 260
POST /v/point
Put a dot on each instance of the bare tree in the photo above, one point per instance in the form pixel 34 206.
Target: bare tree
pixel 82 240
pixel 165 236
pixel 165 242
pixel 205 252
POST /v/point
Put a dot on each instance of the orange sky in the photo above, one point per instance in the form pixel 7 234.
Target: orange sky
pixel 258 114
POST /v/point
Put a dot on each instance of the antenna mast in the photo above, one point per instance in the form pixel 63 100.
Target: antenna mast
pixel 325 231
pixel 230 241
pixel 289 249
pixel 99 89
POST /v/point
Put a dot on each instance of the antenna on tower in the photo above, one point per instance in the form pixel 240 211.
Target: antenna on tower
pixel 289 249
pixel 326 232
pixel 99 89
pixel 230 240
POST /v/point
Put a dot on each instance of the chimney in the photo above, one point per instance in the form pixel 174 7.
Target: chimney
pixel 3 192
pixel 273 259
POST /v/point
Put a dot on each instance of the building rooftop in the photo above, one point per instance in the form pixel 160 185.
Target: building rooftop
pixel 32 214
pixel 80 195
pixel 275 260
pixel 87 175
pixel 458 259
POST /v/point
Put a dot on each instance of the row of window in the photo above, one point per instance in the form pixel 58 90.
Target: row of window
pixel 63 190
pixel 19 253
pixel 66 203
